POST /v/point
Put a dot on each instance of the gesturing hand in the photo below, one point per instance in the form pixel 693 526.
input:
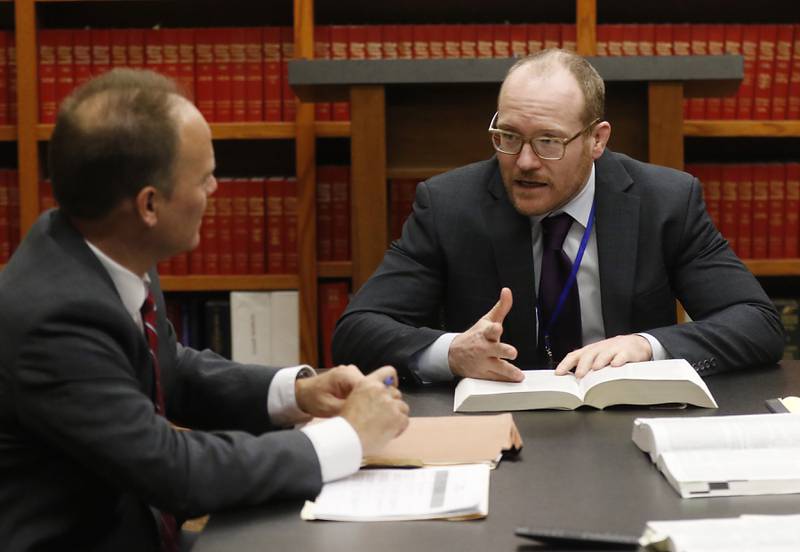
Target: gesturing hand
pixel 479 353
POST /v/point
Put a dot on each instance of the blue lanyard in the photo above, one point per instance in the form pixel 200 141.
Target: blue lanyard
pixel 567 287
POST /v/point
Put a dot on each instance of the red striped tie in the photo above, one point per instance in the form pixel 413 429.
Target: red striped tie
pixel 169 527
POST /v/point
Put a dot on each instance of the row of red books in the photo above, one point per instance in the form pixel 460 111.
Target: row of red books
pixel 754 206
pixel 232 74
pixel 771 85
pixel 9 213
pixel 333 299
pixel 8 78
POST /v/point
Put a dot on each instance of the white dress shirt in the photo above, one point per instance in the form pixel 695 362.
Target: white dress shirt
pixel 432 363
pixel 335 442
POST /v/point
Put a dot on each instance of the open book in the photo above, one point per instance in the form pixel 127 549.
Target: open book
pixel 452 492
pixel 656 382
pixel 747 532
pixel 724 455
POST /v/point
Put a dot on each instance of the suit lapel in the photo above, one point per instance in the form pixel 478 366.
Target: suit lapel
pixel 511 240
pixel 617 241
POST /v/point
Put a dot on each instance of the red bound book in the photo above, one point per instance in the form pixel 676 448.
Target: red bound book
pixel 204 72
pixel 238 74
pixel 744 101
pixel 274 225
pixel 484 45
pixel 602 40
pixel 745 238
pixel 324 214
pixel 223 90
pixel 716 47
pixel 535 37
pixel 153 50
pixel 616 35
pixel 135 48
pixel 777 209
pixel 712 186
pixel 186 61
pixel 12 79
pixel 5 222
pixel 436 44
pixel 569 40
pixel 783 61
pixel 760 210
pixel 405 42
pixel 729 212
pixel 374 40
pixel 389 37
pixel 356 42
pixel 682 46
pixel 793 105
pixel 519 40
pixel 272 73
pixel 469 41
pixel 339 51
pixel 699 47
pixel 630 39
pixel 4 77
pixel 13 207
pixel 101 51
pixel 647 39
pixel 254 75
pixel 164 267
pixel 422 41
pixel 552 35
pixel 664 39
pixel 46 199
pixel 340 213
pixel 452 41
pixel 322 50
pixel 289 100
pixel 290 245
pixel 332 302
pixel 733 46
pixel 240 225
pixel 210 238
pixel 171 59
pixel 256 228
pixel 225 224
pixel 196 259
pixel 765 72
pixel 180 264
pixel 791 247
pixel 82 55
pixel 501 40
pixel 119 47
pixel 65 71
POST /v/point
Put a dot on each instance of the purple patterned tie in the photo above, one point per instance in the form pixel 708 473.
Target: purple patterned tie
pixel 169 526
pixel 565 331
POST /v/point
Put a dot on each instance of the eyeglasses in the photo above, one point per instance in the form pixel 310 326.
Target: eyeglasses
pixel 545 147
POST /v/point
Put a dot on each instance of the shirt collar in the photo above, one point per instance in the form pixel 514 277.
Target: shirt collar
pixel 132 288
pixel 580 206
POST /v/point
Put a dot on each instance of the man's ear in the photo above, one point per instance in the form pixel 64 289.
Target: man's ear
pixel 146 205
pixel 600 136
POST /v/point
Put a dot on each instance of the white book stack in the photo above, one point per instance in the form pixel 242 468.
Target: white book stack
pixel 265 327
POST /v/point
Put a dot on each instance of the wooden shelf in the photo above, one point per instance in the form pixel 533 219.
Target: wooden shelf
pixel 724 128
pixel 418 173
pixel 8 133
pixel 255 282
pixel 335 269
pixel 773 267
pixel 226 131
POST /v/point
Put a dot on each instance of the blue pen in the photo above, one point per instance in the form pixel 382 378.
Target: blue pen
pixel 388 381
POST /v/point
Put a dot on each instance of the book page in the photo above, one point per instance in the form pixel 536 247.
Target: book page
pixel 658 435
pixel 425 493
pixel 753 533
pixel 703 473
pixel 792 404
pixel 539 389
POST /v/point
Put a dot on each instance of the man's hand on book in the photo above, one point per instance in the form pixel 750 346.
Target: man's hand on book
pixel 614 351
pixel 479 353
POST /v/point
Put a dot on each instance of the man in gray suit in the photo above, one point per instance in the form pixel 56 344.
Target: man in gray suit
pixel 91 376
pixel 636 237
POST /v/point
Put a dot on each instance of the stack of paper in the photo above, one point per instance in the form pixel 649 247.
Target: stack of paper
pixel 724 455
pixel 455 492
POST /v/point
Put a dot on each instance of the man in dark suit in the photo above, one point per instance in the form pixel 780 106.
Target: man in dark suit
pixel 637 237
pixel 90 380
